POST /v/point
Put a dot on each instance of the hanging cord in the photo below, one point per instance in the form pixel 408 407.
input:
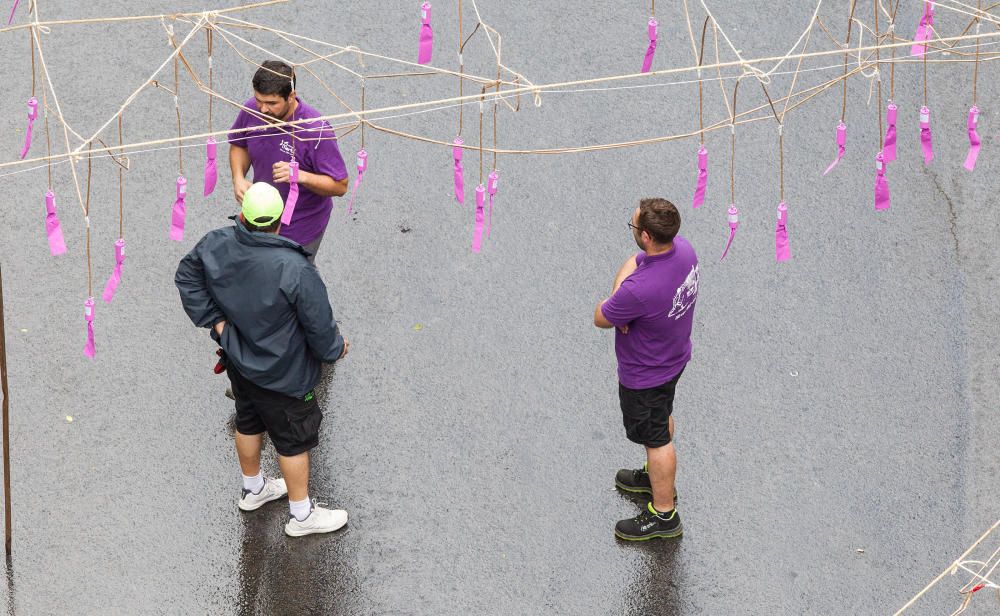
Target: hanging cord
pixel 363 119
pixel 732 142
pixel 86 216
pixel 177 107
pixel 892 67
pixel 496 102
pixel 701 98
pixel 211 99
pixel 975 70
pixel 781 141
pixel 847 44
pixel 878 72
pixel 48 135
pixel 32 38
pixel 461 66
pixel 121 183
pixel 654 8
pixel 925 54
pixel 481 97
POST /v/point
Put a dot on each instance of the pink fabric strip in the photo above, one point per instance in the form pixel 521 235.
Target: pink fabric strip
pixel 889 149
pixel 841 141
pixel 924 30
pixel 32 115
pixel 179 211
pixel 477 235
pixel 699 189
pixel 734 223
pixel 881 185
pixel 116 275
pixel 89 349
pixel 925 135
pixel 491 188
pixel 426 34
pixel 57 245
pixel 647 62
pixel 456 153
pixel 211 167
pixel 362 166
pixel 782 252
pixel 974 142
pixel 13 9
pixel 293 193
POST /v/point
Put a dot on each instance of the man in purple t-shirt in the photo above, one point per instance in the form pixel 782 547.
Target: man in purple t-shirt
pixel 269 150
pixel 652 310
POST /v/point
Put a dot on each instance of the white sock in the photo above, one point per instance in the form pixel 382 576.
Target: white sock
pixel 300 509
pixel 255 484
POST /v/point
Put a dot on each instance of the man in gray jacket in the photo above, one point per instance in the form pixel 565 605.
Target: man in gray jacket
pixel 269 312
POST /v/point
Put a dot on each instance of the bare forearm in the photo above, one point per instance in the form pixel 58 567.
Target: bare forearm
pixel 323 185
pixel 624 272
pixel 239 162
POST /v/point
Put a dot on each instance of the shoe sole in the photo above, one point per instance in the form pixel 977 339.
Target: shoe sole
pixel 260 504
pixel 668 535
pixel 313 532
pixel 632 490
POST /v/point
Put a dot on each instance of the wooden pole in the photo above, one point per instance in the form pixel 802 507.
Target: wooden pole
pixel 6 423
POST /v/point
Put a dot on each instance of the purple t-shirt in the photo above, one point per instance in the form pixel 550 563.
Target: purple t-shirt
pixel 657 303
pixel 271 145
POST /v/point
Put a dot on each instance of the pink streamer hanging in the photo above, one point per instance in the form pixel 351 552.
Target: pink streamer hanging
pixel 925 135
pixel 211 167
pixel 116 275
pixel 456 154
pixel 734 223
pixel 179 212
pixel 293 193
pixel 974 141
pixel 491 188
pixel 32 115
pixel 426 34
pixel 89 349
pixel 782 252
pixel 362 163
pixel 477 235
pixel 881 185
pixel 699 189
pixel 53 229
pixel 647 62
pixel 924 30
pixel 13 9
pixel 841 141
pixel 889 149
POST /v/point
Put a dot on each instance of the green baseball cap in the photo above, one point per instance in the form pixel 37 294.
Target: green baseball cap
pixel 262 204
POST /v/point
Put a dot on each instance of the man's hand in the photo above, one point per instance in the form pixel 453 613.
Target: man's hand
pixel 343 353
pixel 281 173
pixel 219 327
pixel 240 187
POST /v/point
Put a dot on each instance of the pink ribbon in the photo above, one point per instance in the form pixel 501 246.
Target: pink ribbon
pixel 925 135
pixel 970 159
pixel 10 19
pixel 456 153
pixel 211 168
pixel 477 236
pixel 924 30
pixel 179 211
pixel 293 193
pixel 52 227
pixel 881 185
pixel 781 250
pixel 426 34
pixel 647 62
pixel 116 274
pixel 32 115
pixel 734 223
pixel 841 141
pixel 89 349
pixel 889 149
pixel 362 166
pixel 491 188
pixel 699 189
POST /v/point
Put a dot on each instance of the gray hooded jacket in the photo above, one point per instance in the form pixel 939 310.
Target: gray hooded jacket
pixel 279 324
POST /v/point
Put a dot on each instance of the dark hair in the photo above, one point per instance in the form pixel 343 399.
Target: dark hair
pixel 660 219
pixel 270 228
pixel 274 77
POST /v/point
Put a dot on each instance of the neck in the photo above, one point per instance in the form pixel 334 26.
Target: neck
pixel 291 110
pixel 658 249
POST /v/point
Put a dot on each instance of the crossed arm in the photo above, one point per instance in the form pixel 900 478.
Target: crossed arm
pixel 624 272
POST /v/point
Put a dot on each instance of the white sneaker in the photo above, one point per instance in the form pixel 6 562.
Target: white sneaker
pixel 273 490
pixel 320 520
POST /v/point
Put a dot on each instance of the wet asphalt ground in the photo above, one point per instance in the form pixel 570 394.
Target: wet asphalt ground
pixel 836 426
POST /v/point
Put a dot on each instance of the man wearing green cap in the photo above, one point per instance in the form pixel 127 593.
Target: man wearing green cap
pixel 268 309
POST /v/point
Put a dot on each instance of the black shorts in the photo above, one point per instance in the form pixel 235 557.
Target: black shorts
pixel 292 423
pixel 646 412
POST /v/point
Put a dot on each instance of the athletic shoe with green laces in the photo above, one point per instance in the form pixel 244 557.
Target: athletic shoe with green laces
pixel 636 481
pixel 650 524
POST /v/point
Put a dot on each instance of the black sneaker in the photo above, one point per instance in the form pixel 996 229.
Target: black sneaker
pixel 650 524
pixel 636 481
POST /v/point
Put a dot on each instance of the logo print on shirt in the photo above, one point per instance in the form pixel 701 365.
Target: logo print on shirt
pixel 686 295
pixel 287 148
